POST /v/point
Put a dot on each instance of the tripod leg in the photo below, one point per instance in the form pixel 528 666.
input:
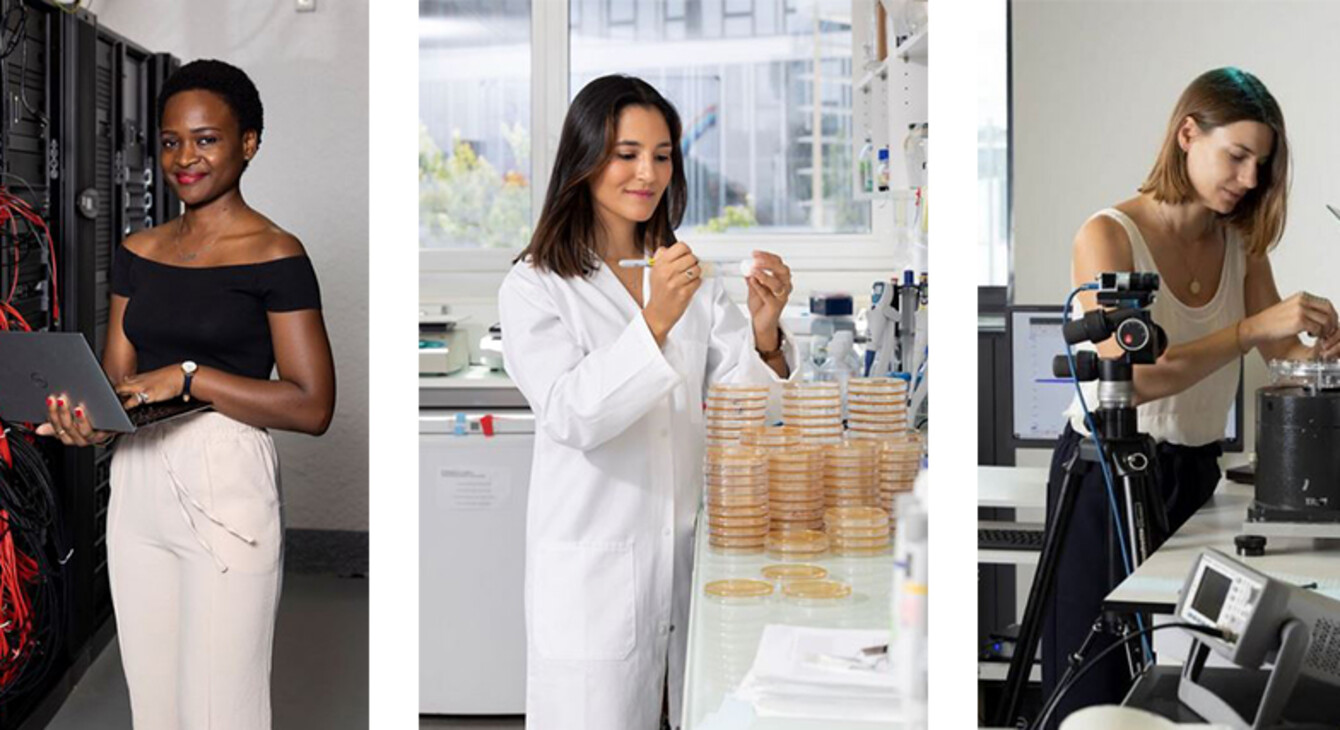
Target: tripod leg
pixel 1044 579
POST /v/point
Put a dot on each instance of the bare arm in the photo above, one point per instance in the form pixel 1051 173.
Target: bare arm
pixel 118 355
pixel 302 399
pixel 1272 324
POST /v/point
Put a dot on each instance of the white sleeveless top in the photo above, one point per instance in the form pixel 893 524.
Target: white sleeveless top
pixel 1199 414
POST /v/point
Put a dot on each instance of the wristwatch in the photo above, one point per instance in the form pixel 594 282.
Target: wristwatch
pixel 188 369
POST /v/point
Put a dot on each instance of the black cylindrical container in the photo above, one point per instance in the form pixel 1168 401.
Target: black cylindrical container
pixel 1297 455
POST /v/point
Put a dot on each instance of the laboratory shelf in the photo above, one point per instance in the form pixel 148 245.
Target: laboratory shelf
pixel 915 48
pixel 723 637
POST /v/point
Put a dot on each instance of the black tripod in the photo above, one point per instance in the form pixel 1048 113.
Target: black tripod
pixel 1130 456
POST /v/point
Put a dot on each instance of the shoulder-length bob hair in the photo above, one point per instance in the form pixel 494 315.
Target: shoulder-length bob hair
pixel 564 241
pixel 1216 98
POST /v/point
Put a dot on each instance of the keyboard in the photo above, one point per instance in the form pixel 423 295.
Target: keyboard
pixel 155 412
pixel 990 538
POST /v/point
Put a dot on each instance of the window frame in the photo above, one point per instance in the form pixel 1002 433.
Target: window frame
pixel 550 36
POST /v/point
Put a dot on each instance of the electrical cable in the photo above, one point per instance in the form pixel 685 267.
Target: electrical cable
pixel 34 592
pixel 1060 691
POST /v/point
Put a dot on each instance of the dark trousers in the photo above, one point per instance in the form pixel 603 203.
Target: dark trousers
pixel 1090 562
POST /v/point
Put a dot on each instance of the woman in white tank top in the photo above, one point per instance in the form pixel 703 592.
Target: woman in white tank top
pixel 1205 218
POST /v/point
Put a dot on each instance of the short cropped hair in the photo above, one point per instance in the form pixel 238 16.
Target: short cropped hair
pixel 228 81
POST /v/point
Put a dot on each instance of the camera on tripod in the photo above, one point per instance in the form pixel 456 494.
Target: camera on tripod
pixel 1134 330
pixel 1126 456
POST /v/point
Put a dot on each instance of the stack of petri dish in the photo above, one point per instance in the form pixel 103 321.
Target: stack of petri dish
pixel 797 545
pixel 876 408
pixel 731 409
pixel 857 530
pixel 796 488
pixel 815 409
pixel 850 474
pixel 736 485
pixel 899 462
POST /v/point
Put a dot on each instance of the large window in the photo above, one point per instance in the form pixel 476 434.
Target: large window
pixel 745 76
pixel 993 154
pixel 474 123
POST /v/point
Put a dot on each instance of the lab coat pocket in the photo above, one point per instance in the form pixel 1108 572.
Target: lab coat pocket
pixel 585 601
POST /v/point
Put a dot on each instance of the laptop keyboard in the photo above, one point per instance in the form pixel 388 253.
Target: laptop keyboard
pixel 154 412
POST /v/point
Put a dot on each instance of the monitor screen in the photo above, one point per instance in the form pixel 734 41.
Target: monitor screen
pixel 1210 595
pixel 1040 399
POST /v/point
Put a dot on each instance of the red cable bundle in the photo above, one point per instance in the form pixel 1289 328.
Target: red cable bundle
pixel 11 206
pixel 17 572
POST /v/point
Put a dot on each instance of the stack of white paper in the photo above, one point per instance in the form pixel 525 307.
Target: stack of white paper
pixel 805 672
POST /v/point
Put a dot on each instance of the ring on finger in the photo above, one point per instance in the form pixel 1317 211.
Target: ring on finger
pixel 142 397
pixel 690 273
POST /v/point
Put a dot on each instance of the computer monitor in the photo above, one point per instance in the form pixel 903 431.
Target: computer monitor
pixel 1039 398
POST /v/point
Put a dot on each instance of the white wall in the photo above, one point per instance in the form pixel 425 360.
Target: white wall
pixel 310 177
pixel 1093 86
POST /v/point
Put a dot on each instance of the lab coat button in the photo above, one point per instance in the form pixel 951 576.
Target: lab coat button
pixel 664 629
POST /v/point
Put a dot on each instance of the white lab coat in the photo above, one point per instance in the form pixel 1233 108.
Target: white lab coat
pixel 614 488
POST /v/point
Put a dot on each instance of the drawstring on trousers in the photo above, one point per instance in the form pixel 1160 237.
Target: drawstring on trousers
pixel 183 496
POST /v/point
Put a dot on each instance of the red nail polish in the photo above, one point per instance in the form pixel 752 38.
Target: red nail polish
pixel 60 402
pixel 51 400
pixel 79 413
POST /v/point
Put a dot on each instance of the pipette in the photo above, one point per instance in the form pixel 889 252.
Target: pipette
pixel 710 267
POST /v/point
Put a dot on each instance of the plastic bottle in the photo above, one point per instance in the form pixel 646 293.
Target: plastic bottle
pixel 907 644
pixel 809 371
pixel 837 368
pixel 865 161
pixel 883 169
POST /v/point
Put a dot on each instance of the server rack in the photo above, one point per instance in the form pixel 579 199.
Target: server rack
pixel 78 141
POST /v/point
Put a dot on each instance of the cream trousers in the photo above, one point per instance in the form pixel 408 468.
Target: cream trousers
pixel 195 551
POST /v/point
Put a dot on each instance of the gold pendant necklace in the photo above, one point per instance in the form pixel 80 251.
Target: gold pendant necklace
pixel 189 256
pixel 1194 286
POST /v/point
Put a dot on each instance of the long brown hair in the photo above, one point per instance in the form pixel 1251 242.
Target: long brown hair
pixel 1216 98
pixel 564 241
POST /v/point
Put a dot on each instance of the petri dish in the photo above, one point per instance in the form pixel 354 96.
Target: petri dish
pixel 798 525
pixel 747 511
pixel 753 533
pixel 736 500
pixel 850 552
pixel 858 533
pixel 797 541
pixel 816 590
pixel 738 588
pixel 794 571
pixel 856 517
pixel 875 382
pixel 737 521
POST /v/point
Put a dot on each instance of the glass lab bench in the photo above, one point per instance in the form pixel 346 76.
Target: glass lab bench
pixel 724 633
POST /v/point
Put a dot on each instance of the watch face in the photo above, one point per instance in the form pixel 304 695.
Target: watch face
pixel 189 366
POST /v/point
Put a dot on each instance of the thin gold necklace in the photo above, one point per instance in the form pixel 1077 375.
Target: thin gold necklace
pixel 189 256
pixel 1195 286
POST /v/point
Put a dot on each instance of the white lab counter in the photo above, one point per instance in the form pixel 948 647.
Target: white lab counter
pixel 473 387
pixel 723 638
pixel 1155 584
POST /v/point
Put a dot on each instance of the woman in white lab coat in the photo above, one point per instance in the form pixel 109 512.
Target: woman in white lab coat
pixel 615 362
